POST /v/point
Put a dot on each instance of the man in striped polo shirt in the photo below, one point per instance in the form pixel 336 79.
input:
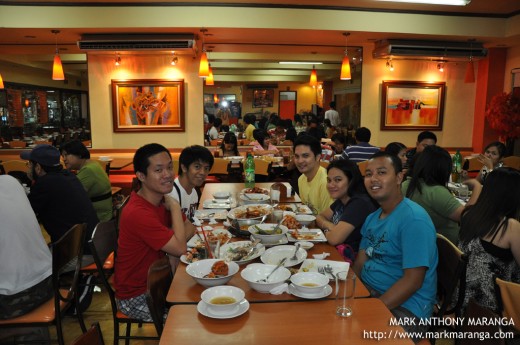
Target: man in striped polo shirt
pixel 362 151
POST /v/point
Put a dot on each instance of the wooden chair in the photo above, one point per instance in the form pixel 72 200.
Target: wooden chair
pixel 512 161
pixel 176 167
pixel 39 142
pixel 219 170
pixel 262 170
pixel 473 164
pixel 102 244
pixel 473 312
pixel 324 164
pixel 18 144
pixel 158 283
pixel 92 337
pixel 66 249
pixel 15 165
pixel 214 142
pixel 362 167
pixel 510 301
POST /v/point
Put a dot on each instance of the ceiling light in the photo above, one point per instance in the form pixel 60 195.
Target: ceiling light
pixel 314 77
pixel 440 67
pixel 118 60
pixel 175 59
pixel 1 82
pixel 57 67
pixel 300 63
pixel 345 64
pixel 210 81
pixel 204 64
pixel 390 65
pixel 434 2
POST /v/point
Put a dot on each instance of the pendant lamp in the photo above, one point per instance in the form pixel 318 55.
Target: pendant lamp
pixel 210 81
pixel 57 67
pixel 345 64
pixel 1 82
pixel 204 64
pixel 314 77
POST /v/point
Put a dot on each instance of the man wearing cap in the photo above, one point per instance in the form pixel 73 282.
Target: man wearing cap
pixel 57 197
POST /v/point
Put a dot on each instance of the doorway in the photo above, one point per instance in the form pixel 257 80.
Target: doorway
pixel 287 104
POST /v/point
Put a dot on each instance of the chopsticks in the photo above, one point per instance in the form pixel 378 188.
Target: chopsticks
pixel 206 243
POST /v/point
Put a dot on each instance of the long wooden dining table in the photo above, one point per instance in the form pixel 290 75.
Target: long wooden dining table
pixel 272 318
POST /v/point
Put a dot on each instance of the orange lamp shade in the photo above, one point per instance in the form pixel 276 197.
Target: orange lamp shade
pixel 209 79
pixel 57 69
pixel 314 77
pixel 204 65
pixel 470 73
pixel 345 69
pixel 1 82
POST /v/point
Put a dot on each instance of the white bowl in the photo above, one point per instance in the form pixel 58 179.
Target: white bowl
pixel 254 198
pixel 232 294
pixel 265 238
pixel 254 272
pixel 239 213
pixel 104 158
pixel 309 282
pixel 305 219
pixel 221 195
pixel 306 244
pixel 198 269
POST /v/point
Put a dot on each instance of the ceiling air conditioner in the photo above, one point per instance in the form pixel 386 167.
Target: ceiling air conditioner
pixel 428 50
pixel 133 42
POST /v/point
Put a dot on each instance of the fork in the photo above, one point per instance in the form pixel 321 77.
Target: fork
pixel 295 256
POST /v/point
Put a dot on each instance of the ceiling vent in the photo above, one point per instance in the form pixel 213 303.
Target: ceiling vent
pixel 133 42
pixel 428 50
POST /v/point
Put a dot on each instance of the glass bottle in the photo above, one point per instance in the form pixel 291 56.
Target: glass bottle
pixel 456 171
pixel 249 170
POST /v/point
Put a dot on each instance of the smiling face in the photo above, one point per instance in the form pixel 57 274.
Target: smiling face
pixel 493 154
pixel 196 173
pixel 337 184
pixel 381 180
pixel 305 160
pixel 159 175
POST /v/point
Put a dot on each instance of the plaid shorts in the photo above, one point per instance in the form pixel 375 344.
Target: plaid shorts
pixel 135 307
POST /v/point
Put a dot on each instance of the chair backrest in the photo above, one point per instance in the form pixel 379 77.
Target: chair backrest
pixel 473 164
pixel 214 142
pixel 105 165
pixel 220 167
pixel 362 167
pixel 39 142
pixel 92 337
pixel 324 164
pixel 158 283
pixel 15 165
pixel 176 167
pixel 512 161
pixel 451 273
pixel 18 144
pixel 475 312
pixel 262 167
pixel 510 300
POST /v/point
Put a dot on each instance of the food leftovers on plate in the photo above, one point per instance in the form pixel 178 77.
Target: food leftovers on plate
pixel 219 269
pixel 240 253
pixel 291 223
pixel 214 236
pixel 256 190
pixel 304 235
pixel 251 212
pixel 285 208
pixel 196 254
pixel 304 209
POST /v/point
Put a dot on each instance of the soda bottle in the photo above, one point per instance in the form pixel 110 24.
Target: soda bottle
pixel 249 169
pixel 456 171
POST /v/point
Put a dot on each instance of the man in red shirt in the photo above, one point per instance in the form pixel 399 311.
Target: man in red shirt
pixel 151 225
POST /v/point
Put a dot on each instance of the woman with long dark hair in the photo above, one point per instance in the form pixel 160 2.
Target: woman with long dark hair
pixel 490 235
pixel 343 220
pixel 491 159
pixel 229 145
pixel 262 145
pixel 428 188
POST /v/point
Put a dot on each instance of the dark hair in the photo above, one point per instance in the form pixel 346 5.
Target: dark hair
pixel 394 148
pixel 218 122
pixel 501 148
pixel 351 170
pixel 195 153
pixel 332 104
pixel 142 155
pixel 230 138
pixel 433 166
pixel 498 201
pixel 327 122
pixel 224 128
pixel 249 119
pixel 308 140
pixel 76 148
pixel 259 136
pixel 426 135
pixel 211 118
pixel 297 118
pixel 396 162
pixel 363 134
pixel 339 137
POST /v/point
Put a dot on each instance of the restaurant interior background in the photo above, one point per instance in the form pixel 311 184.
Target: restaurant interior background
pixel 245 43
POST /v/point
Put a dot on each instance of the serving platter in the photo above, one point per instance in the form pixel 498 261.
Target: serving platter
pixel 312 265
pixel 213 213
pixel 273 255
pixel 226 251
pixel 241 211
pixel 197 239
pixel 311 235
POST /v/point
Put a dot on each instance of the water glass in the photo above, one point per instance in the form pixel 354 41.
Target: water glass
pixel 345 287
pixel 463 192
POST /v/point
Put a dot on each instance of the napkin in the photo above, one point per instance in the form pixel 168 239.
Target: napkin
pixel 226 223
pixel 212 221
pixel 196 221
pixel 280 289
pixel 321 256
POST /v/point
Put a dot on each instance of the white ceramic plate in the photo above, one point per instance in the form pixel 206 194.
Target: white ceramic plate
pixel 311 235
pixel 283 240
pixel 311 265
pixel 272 256
pixel 183 259
pixel 266 209
pixel 287 207
pixel 214 213
pixel 219 203
pixel 261 190
pixel 196 240
pixel 303 209
pixel 327 290
pixel 205 310
pixel 226 251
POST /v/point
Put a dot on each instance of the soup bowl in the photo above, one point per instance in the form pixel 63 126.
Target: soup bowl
pixel 223 299
pixel 309 283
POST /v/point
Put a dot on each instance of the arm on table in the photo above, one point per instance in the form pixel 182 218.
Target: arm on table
pixel 410 282
pixel 177 243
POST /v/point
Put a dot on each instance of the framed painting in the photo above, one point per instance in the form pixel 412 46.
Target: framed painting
pixel 412 105
pixel 263 98
pixel 148 105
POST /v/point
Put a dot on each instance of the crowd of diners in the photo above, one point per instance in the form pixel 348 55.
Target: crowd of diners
pixel 384 222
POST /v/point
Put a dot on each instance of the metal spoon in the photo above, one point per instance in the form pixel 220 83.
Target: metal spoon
pixel 253 248
pixel 280 264
pixel 295 256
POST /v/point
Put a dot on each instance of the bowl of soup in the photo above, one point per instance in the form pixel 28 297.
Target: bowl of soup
pixel 309 283
pixel 222 300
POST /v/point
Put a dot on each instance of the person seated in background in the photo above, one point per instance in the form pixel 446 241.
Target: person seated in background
pixel 313 179
pixel 290 131
pixel 298 124
pixel 272 122
pixel 338 142
pixel 250 127
pixel 491 159
pixel 330 130
pixel 425 138
pixel 399 150
pixel 151 225
pixel 332 115
pixel 342 222
pixel 428 188
pixel 490 234
pixel 229 145
pixel 397 259
pixel 262 145
pixel 25 258
pixel 91 175
pixel 277 134
pixel 362 151
pixel 195 162
pixel 315 129
pixel 215 128
pixel 57 196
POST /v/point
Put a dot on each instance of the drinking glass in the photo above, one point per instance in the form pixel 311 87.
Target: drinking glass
pixel 345 286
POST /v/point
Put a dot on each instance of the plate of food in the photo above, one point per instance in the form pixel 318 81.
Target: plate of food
pixel 302 208
pixel 222 235
pixel 290 221
pixel 286 207
pixel 241 252
pixel 311 235
pixel 312 265
pixel 255 190
pixel 253 211
pixel 194 254
pixel 214 213
pixel 272 256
